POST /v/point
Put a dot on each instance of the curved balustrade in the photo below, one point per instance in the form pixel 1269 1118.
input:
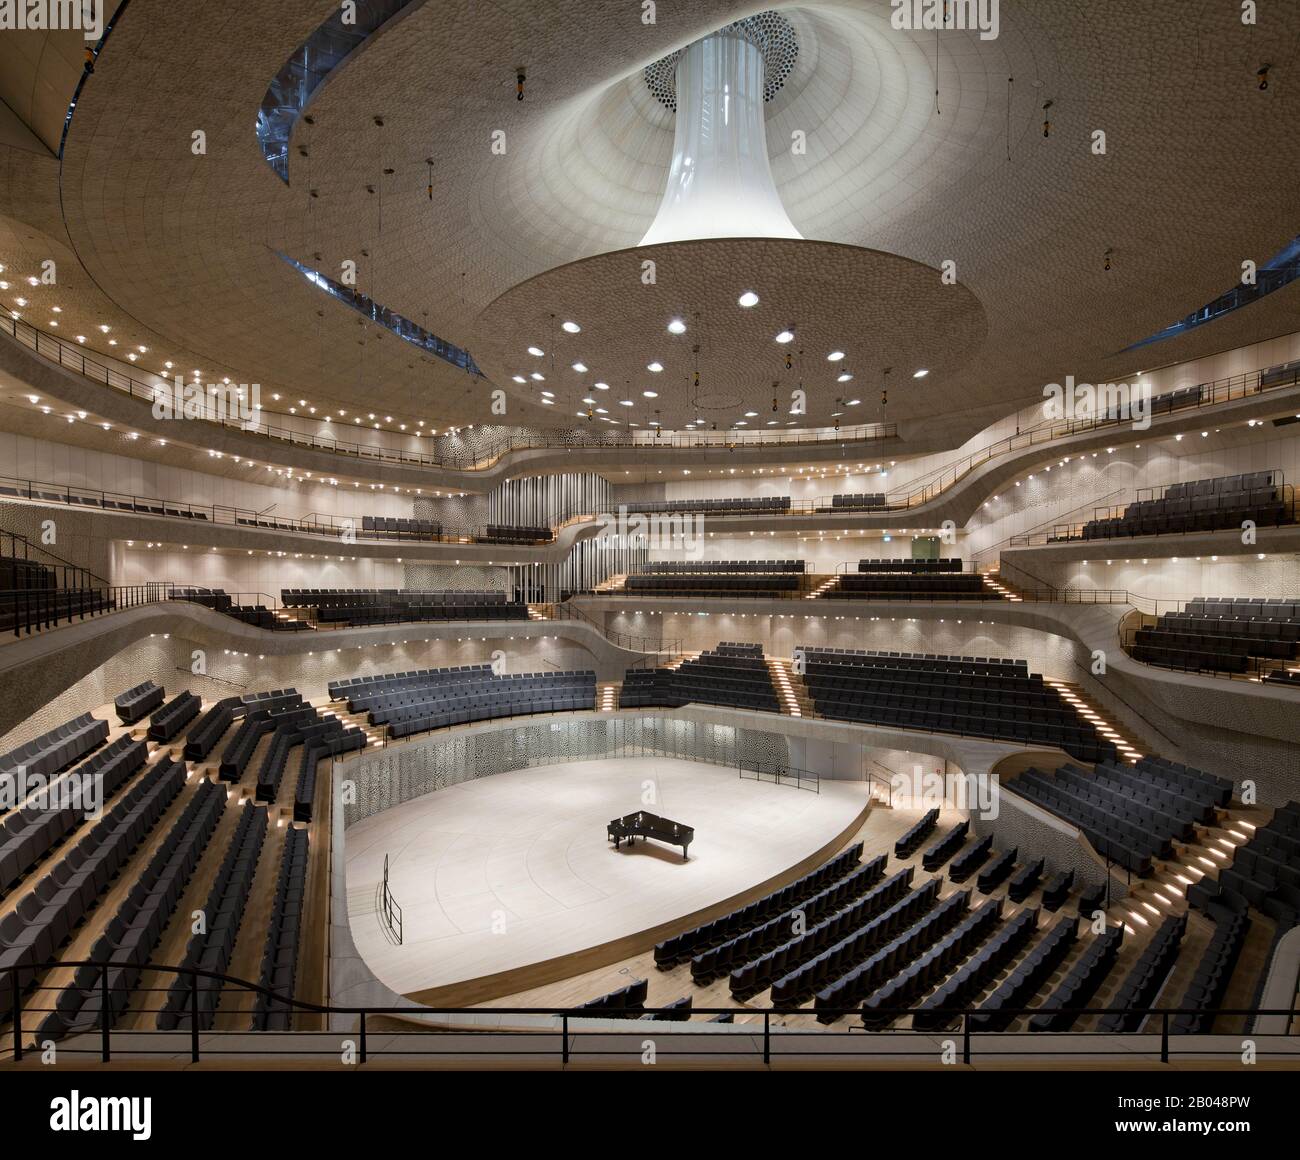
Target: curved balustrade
pixel 554 1033
pixel 73 358
pixel 1216 393
pixel 343 528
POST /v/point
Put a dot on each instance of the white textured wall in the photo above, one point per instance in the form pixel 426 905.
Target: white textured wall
pixel 136 474
pixel 237 571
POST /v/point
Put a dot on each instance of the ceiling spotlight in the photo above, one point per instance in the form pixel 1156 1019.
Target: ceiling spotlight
pixel 844 378
pixel 519 379
pixel 570 327
pixel 581 368
pixel 625 403
pixel 537 378
pixel 654 368
pixel 677 326
pixel 785 336
pixel 536 351
pixel 920 374
pixel 835 356
pixel 650 394
pixel 602 386
pixel 748 299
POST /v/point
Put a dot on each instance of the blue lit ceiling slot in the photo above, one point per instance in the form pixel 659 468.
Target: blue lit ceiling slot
pixel 305 71
pixel 404 328
pixel 1279 271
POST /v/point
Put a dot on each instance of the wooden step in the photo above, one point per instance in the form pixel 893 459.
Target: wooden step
pixel 784 683
pixel 1131 747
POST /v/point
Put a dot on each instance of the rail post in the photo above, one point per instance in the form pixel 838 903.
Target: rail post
pixel 105 1054
pixel 17 1013
pixel 194 1017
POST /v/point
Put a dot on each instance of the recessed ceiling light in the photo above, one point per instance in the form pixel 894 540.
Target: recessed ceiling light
pixel 748 299
pixel 844 378
pixel 537 378
pixel 654 367
pixel 602 386
pixel 548 394
pixel 677 326
pixel 785 336
pixel 651 394
pixel 625 403
pixel 536 351
pixel 519 379
pixel 581 368
pixel 570 327
pixel 835 356
pixel 853 402
pixel 920 374
pixel 751 414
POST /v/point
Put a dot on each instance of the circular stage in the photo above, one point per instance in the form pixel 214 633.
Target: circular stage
pixel 509 881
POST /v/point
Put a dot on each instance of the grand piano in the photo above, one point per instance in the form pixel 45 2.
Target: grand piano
pixel 643 825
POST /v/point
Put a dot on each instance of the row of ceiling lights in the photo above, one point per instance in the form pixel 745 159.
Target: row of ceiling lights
pixel 283 472
pixel 676 326
pixel 168 366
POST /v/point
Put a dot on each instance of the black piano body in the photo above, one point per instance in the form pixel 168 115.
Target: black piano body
pixel 644 825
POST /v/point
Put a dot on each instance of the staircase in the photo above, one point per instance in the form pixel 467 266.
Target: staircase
pixel 994 585
pixel 1151 900
pixel 607 697
pixel 1129 744
pixel 540 612
pixel 790 689
pixel 374 733
pixel 822 586
pixel 615 583
pixel 299 615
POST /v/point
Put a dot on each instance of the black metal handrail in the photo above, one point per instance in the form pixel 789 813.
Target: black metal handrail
pixel 64 573
pixel 647 645
pixel 73 357
pixel 779 774
pixel 344 529
pixel 753 1041
pixel 1073 533
pixel 390 909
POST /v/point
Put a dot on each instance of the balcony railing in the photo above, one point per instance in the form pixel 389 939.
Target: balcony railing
pixel 73 357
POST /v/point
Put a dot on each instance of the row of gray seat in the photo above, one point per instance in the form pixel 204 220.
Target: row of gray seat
pixel 56 750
